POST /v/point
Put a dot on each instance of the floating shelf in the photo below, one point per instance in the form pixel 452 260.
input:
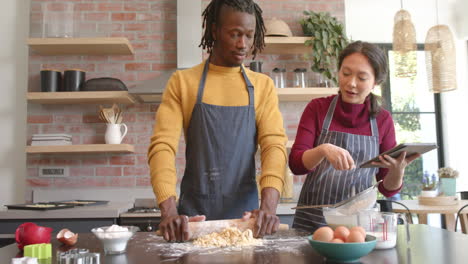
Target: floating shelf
pixel 81 46
pixel 121 97
pixel 284 94
pixel 286 45
pixel 75 149
pixel 303 94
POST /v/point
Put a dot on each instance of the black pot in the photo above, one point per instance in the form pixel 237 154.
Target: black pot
pixel 464 195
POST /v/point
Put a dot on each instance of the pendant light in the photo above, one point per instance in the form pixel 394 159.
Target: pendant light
pixel 404 44
pixel 440 58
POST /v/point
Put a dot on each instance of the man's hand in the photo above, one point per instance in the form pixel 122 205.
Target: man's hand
pixel 174 227
pixel 266 220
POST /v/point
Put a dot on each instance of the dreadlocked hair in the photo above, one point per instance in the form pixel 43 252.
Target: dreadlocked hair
pixel 211 15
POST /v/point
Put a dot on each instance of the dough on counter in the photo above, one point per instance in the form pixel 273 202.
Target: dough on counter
pixel 229 237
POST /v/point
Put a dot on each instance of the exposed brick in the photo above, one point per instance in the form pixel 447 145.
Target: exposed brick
pixel 96 17
pixel 143 181
pixel 136 7
pixel 62 119
pixel 108 171
pixel 162 66
pixel 136 171
pixel 66 162
pixel 154 16
pixel 121 182
pixel 40 119
pixel 37 161
pixel 110 67
pixel 85 129
pixel 136 27
pixel 110 7
pixel 123 16
pixel 80 172
pixel 84 7
pixel 92 119
pixel 137 66
pixel 142 160
pixel 94 161
pixel 39 182
pixel 122 160
pixel 109 27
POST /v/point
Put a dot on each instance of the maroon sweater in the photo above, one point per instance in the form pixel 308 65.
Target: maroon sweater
pixel 348 118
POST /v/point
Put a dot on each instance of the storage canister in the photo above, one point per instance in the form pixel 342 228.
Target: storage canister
pixel 51 80
pixel 74 80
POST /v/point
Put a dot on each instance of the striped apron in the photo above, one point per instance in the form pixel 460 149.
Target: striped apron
pixel 325 185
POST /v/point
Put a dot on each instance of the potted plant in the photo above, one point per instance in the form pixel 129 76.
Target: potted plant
pixel 448 181
pixel 429 185
pixel 328 40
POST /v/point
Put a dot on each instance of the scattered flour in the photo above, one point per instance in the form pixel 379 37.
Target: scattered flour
pixel 230 236
pixel 272 245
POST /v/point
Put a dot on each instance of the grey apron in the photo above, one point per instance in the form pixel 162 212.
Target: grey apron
pixel 219 178
pixel 325 185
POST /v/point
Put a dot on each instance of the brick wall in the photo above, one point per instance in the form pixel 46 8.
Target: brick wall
pixel 151 28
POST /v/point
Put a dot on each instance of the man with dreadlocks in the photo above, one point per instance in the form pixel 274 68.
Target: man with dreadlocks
pixel 225 111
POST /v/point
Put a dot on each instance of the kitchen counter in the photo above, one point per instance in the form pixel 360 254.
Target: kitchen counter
pixel 78 219
pixel 428 245
pixel 112 209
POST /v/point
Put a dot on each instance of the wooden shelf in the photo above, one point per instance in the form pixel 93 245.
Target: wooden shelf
pixel 121 97
pixel 75 149
pixel 303 94
pixel 81 46
pixel 286 45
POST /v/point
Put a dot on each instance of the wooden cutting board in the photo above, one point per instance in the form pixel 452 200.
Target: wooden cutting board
pixel 198 229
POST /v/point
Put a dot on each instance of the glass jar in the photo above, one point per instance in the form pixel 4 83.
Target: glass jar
pixel 300 78
pixel 278 77
pixel 58 20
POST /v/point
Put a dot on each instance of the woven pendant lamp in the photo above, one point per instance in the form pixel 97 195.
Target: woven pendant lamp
pixel 440 59
pixel 404 45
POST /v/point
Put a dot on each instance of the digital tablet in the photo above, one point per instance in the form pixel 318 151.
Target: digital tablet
pixel 410 148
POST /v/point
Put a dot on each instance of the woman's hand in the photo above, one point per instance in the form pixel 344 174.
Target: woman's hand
pixel 397 165
pixel 396 169
pixel 338 157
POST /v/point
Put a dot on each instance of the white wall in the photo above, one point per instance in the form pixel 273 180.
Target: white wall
pixel 372 21
pixel 14 29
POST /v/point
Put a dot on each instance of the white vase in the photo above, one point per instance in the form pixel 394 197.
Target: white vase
pixel 114 133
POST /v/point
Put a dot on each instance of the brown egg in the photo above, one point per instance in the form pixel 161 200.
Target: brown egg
pixel 324 234
pixel 355 236
pixel 337 240
pixel 67 237
pixel 341 232
pixel 360 228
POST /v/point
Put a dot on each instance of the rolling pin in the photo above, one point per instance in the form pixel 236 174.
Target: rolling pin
pixel 198 229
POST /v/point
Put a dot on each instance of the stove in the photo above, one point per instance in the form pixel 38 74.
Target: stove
pixel 144 215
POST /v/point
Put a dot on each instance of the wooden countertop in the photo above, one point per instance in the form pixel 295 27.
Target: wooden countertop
pixel 110 210
pixel 428 245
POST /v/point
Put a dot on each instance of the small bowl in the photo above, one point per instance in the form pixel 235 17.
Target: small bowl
pixel 343 252
pixel 114 242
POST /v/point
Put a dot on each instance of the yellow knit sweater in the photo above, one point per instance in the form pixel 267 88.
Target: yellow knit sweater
pixel 224 86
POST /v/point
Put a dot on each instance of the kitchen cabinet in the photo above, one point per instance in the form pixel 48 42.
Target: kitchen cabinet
pixel 81 46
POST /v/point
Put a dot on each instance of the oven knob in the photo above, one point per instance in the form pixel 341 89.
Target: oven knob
pixel 149 228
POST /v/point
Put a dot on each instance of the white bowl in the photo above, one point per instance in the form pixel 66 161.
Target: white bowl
pixel 114 241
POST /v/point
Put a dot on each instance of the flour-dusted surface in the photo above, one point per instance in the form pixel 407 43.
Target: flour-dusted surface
pixel 272 246
pixel 229 237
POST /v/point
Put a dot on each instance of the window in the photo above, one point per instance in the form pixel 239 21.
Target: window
pixel 417 117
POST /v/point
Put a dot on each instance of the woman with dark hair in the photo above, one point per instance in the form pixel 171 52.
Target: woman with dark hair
pixel 338 133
